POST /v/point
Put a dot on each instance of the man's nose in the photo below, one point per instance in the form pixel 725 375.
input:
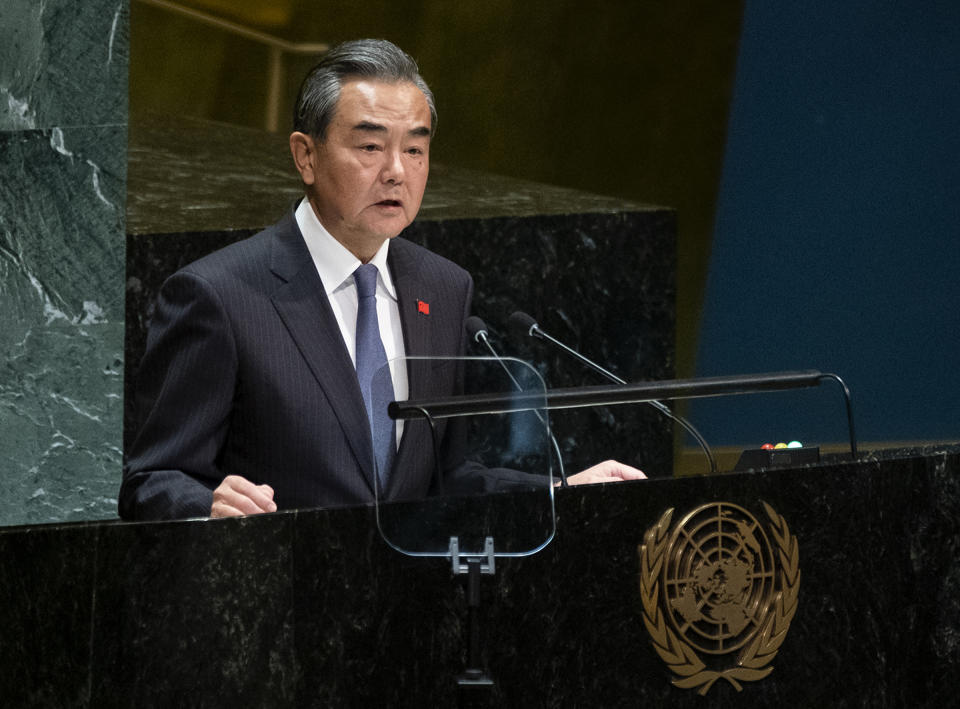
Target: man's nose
pixel 393 170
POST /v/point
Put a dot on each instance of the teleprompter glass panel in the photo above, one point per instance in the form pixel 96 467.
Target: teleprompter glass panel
pixel 472 466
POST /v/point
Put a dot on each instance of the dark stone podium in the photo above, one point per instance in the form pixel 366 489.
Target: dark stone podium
pixel 312 608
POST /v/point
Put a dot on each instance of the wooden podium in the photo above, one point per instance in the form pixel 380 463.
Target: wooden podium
pixel 312 608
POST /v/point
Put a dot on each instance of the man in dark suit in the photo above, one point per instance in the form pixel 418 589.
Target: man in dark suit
pixel 248 391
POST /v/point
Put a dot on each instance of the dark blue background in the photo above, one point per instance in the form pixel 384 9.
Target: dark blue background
pixel 835 243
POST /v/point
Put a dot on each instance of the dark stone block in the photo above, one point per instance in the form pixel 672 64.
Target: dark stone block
pixel 169 605
pixel 361 609
pixel 313 608
pixel 46 606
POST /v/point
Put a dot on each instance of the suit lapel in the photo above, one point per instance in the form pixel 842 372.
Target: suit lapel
pixel 302 304
pixel 416 445
pixel 411 290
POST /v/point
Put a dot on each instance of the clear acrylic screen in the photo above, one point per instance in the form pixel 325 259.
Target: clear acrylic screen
pixel 508 448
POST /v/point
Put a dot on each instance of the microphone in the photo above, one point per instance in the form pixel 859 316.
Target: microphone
pixel 524 324
pixel 477 331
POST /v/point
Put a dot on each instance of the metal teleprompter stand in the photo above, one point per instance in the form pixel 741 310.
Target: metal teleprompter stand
pixel 474 685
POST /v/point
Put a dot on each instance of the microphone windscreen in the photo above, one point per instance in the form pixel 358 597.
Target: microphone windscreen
pixel 521 323
pixel 475 326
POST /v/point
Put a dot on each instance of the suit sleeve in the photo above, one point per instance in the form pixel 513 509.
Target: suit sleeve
pixel 186 385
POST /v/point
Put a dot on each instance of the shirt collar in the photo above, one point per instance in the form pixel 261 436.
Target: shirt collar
pixel 333 260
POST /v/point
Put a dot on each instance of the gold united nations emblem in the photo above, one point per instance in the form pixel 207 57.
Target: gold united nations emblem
pixel 719 591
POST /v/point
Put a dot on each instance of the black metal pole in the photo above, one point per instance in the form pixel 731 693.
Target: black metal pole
pixel 474 685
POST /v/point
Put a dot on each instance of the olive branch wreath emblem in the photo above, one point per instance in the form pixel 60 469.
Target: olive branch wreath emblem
pixel 753 661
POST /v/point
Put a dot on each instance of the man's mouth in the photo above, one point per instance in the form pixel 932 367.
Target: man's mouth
pixel 389 203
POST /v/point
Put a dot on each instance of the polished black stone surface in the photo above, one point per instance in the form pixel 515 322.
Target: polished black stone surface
pixel 312 608
pixel 48 597
pixel 599 273
pixel 164 609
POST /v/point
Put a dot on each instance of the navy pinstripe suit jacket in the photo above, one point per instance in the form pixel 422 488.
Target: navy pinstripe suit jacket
pixel 246 373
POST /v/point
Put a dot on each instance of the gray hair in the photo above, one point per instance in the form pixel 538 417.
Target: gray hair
pixel 375 59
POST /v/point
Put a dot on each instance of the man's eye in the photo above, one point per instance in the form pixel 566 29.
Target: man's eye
pixel 369 148
pixel 415 151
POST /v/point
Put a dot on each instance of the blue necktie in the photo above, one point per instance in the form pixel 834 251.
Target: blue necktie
pixel 372 372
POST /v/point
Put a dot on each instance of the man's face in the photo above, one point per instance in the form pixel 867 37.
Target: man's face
pixel 366 179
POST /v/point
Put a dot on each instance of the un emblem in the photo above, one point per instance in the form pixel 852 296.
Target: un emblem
pixel 718 593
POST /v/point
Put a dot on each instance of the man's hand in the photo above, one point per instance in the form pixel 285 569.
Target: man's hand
pixel 238 496
pixel 605 472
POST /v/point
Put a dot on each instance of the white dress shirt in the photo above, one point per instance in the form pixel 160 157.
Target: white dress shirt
pixel 336 265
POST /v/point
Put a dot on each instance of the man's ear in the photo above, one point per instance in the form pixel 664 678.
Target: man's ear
pixel 304 149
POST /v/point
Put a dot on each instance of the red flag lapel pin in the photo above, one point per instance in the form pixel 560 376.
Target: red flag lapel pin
pixel 423 307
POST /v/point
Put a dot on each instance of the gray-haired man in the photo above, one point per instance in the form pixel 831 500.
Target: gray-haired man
pixel 249 395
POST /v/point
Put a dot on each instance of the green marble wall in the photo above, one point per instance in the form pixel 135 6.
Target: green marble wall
pixel 63 135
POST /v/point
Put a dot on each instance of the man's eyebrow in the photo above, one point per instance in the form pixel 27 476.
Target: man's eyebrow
pixel 368 127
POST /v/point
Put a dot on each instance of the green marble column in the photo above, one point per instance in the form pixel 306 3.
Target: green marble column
pixel 63 135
